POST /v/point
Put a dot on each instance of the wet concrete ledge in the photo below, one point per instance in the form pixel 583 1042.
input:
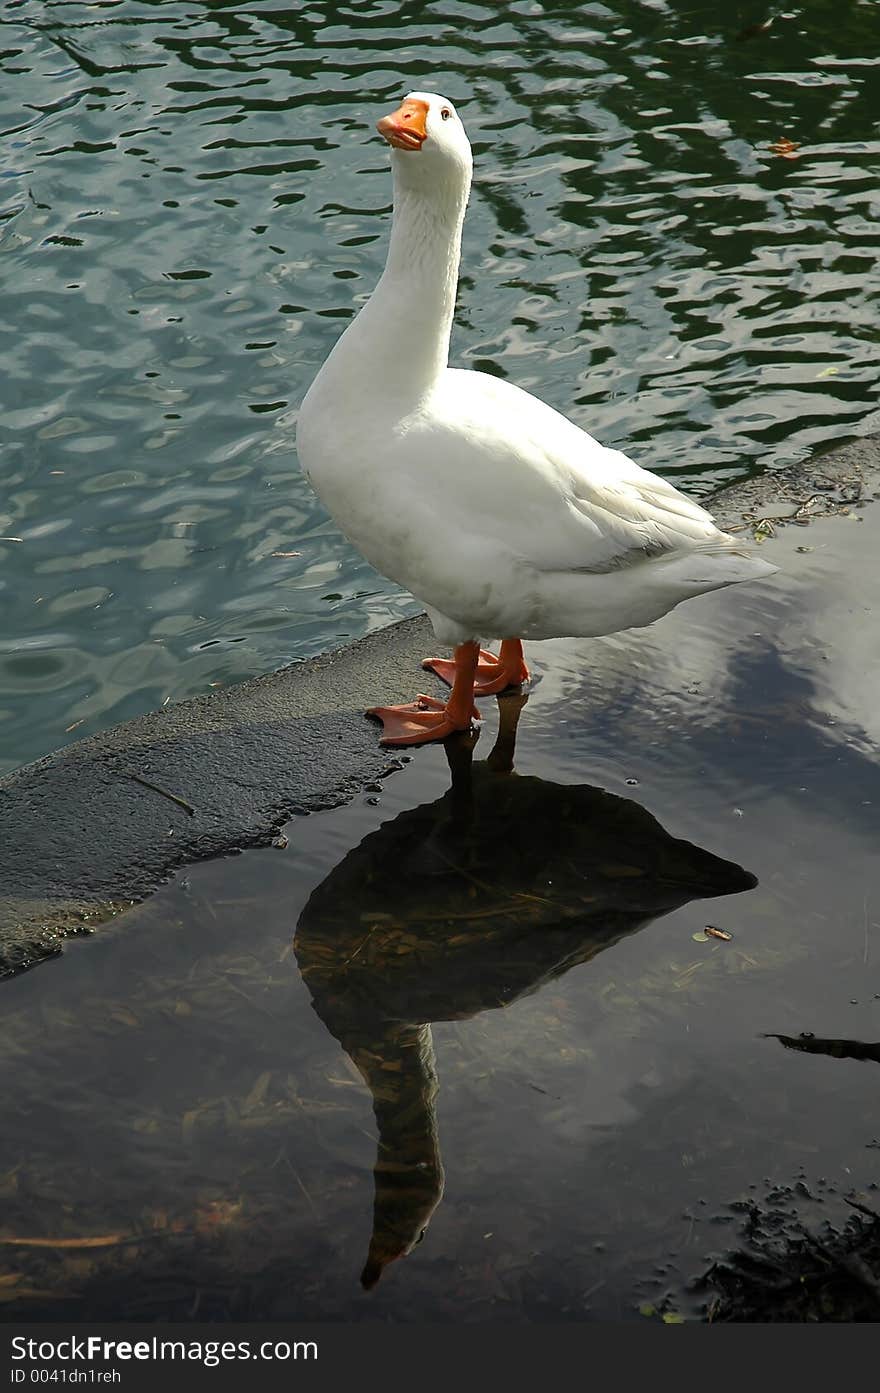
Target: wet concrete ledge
pixel 91 829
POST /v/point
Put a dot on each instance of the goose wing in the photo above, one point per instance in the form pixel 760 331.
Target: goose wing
pixel 519 472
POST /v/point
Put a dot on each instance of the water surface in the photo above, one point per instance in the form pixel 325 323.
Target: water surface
pixel 194 202
pixel 479 1015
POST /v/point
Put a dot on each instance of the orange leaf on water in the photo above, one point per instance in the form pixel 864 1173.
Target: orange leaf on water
pixel 105 1240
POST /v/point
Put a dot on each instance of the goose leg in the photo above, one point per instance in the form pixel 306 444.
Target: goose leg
pixel 424 719
pixel 493 674
pixel 500 759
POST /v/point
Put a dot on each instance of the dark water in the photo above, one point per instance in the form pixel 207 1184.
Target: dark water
pixel 194 202
pixel 486 986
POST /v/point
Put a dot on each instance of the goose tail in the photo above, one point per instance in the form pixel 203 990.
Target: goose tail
pixel 722 561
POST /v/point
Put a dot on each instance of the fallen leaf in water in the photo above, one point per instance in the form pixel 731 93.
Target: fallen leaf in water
pixel 754 31
pixel 148 1125
pixel 700 937
pixel 217 1214
pixel 713 932
pixel 123 1016
pixel 784 147
pixel 188 1125
pixel 106 1240
pixel 257 1096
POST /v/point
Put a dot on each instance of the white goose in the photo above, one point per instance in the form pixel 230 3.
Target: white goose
pixel 501 516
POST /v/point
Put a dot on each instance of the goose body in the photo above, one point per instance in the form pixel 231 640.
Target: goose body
pixel 503 517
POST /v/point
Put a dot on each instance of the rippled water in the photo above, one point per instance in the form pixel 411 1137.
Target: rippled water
pixel 509 986
pixel 194 202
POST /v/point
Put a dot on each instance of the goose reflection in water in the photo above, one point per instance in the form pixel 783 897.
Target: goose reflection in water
pixel 465 905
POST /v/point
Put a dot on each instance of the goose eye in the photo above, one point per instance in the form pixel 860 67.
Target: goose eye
pixel 445 113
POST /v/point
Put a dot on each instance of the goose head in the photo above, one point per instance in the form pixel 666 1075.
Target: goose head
pixel 428 140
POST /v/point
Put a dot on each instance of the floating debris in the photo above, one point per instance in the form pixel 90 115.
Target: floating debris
pixel 785 148
pixel 157 788
pixel 787 1273
pixel 107 1240
pixel 838 1049
pixel 755 31
pixel 714 932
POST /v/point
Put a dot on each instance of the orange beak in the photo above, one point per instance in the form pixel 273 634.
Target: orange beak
pixel 405 128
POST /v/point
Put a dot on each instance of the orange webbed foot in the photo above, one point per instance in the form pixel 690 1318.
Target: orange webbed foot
pixel 419 722
pixel 493 675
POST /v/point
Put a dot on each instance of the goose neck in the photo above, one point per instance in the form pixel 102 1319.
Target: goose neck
pixel 413 305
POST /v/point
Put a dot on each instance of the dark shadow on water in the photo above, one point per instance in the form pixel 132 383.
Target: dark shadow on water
pixel 837 1049
pixel 465 905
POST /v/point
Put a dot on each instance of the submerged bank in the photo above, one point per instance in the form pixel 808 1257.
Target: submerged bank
pixel 97 826
pixel 606 1011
